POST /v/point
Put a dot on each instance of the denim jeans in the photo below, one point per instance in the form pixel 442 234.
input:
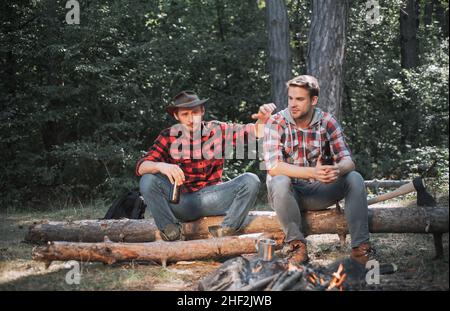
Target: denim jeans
pixel 233 199
pixel 289 198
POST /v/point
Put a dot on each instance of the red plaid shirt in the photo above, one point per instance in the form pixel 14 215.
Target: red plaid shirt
pixel 200 158
pixel 283 141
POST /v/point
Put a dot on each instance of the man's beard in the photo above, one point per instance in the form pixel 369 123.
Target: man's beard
pixel 301 117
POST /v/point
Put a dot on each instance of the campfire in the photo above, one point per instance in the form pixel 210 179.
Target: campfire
pixel 278 275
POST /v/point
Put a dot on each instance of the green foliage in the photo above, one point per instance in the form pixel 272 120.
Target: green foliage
pixel 81 103
pixel 391 115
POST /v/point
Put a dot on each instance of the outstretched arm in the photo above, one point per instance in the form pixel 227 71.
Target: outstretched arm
pixel 261 118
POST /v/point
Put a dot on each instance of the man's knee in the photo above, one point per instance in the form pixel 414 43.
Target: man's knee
pixel 354 180
pixel 251 181
pixel 279 183
pixel 148 182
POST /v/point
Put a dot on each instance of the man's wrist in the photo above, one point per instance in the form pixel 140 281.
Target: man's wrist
pixel 310 172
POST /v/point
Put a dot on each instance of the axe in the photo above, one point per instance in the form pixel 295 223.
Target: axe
pixel 417 184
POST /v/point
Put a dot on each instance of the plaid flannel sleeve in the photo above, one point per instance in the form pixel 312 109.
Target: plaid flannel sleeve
pixel 158 152
pixel 272 144
pixel 239 134
pixel 337 140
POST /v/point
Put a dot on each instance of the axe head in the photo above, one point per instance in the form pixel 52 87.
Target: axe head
pixel 423 197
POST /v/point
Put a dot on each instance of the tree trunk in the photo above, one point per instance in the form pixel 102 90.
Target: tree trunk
pixel 409 26
pixel 160 251
pixel 381 220
pixel 428 12
pixel 220 17
pixel 326 51
pixel 278 50
pixel 442 16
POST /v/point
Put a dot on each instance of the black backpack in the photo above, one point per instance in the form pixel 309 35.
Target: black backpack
pixel 130 205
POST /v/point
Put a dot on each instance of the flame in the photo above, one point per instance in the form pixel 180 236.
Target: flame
pixel 338 279
pixel 257 269
pixel 313 278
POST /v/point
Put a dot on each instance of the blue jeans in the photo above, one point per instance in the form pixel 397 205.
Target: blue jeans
pixel 233 199
pixel 288 199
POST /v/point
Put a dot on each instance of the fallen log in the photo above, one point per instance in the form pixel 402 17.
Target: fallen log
pixel 93 230
pixel 381 220
pixel 162 252
pixel 133 230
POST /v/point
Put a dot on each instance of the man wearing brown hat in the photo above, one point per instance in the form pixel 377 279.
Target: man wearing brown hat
pixel 198 168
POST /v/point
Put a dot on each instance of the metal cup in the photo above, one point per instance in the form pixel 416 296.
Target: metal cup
pixel 266 249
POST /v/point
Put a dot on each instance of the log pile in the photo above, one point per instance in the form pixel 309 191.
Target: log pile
pixel 381 220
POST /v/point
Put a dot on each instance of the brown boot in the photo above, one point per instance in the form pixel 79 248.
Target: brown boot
pixel 219 231
pixel 172 232
pixel 363 253
pixel 297 252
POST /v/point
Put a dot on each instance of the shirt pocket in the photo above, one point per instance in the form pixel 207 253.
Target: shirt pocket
pixel 291 149
pixel 313 151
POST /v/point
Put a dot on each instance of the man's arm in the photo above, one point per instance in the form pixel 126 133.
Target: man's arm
pixel 172 171
pixel 262 116
pixel 323 173
pixel 346 165
pixel 156 160
pixel 290 170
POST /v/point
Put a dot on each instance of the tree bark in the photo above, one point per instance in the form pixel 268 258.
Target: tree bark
pixel 428 12
pixel 159 251
pixel 381 220
pixel 409 26
pixel 278 50
pixel 132 230
pixel 326 51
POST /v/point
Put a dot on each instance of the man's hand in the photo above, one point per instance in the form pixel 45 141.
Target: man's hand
pixel 172 171
pixel 264 113
pixel 326 174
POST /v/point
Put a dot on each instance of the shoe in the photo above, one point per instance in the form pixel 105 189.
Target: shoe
pixel 219 231
pixel 172 232
pixel 363 253
pixel 296 252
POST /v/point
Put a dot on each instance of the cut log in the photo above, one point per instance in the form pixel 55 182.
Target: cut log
pixel 381 220
pixel 133 230
pixel 159 251
pixel 93 230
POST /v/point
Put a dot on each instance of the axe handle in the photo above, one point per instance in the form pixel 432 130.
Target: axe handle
pixel 404 189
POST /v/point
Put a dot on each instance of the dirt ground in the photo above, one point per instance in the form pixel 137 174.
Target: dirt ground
pixel 411 253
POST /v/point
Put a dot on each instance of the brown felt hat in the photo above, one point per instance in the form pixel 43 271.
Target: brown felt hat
pixel 184 99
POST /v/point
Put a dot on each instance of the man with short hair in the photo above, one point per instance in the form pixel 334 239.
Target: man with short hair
pixel 197 167
pixel 297 181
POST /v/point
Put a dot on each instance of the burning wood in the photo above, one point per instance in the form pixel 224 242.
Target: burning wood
pixel 275 275
pixel 338 279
